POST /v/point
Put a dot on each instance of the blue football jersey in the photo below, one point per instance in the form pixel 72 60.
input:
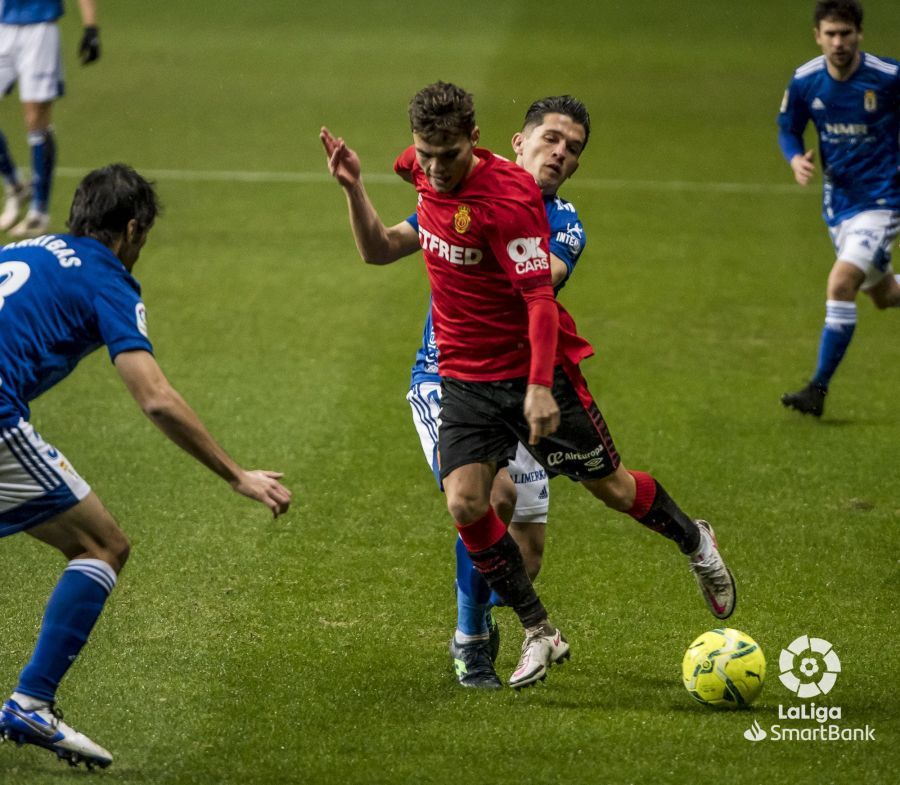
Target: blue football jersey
pixel 29 12
pixel 857 121
pixel 566 242
pixel 61 297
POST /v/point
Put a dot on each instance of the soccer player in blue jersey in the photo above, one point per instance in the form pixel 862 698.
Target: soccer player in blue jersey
pixel 62 297
pixel 853 99
pixel 30 55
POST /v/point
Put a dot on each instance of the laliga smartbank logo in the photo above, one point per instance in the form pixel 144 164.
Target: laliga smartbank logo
pixel 809 668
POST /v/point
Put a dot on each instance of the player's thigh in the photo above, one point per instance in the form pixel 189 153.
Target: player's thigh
pixel 39 64
pixel 864 242
pixel 37 482
pixel 581 448
pixel 8 73
pixel 425 402
pixel 532 487
pixel 503 495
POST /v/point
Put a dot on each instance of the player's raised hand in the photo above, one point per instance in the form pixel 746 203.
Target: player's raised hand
pixel 541 412
pixel 343 163
pixel 263 486
pixel 804 166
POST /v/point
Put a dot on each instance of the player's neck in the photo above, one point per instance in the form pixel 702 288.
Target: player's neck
pixel 843 74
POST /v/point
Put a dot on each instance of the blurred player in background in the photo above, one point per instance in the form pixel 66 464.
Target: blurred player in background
pixel 30 55
pixel 62 297
pixel 554 133
pixel 853 99
pixel 508 356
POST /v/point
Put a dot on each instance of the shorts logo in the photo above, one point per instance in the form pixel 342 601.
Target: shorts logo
pixel 870 101
pixel 816 671
pixel 591 461
pixel 462 219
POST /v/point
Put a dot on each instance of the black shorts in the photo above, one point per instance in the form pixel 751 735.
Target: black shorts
pixel 483 422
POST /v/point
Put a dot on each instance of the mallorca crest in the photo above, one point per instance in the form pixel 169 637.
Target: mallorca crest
pixel 870 101
pixel 462 219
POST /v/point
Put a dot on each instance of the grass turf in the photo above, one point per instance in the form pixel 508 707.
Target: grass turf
pixel 312 648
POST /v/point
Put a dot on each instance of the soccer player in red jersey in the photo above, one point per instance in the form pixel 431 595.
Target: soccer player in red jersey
pixel 509 356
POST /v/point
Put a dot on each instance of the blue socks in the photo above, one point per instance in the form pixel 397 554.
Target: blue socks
pixel 69 617
pixel 7 167
pixel 472 595
pixel 43 159
pixel 840 322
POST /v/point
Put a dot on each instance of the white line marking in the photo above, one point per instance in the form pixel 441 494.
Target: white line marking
pixel 382 178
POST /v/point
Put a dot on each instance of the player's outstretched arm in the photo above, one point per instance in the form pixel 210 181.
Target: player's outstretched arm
pixel 376 243
pixel 174 417
pixel 89 48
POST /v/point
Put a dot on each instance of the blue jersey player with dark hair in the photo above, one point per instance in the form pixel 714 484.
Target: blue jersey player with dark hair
pixel 853 99
pixel 62 297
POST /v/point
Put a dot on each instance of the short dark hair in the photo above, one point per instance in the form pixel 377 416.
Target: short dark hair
pixel 849 11
pixel 559 104
pixel 442 108
pixel 107 199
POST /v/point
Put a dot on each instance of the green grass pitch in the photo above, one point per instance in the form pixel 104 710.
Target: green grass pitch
pixel 312 649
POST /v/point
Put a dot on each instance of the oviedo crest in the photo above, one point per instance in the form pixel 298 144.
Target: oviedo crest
pixel 462 219
pixel 870 101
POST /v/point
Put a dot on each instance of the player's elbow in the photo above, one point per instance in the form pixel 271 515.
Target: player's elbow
pixel 158 402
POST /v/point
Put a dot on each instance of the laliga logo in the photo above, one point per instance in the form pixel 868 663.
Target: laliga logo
pixel 817 658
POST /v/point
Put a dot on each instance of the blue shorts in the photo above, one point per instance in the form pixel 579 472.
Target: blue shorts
pixel 36 481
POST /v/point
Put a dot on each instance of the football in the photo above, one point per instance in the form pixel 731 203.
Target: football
pixel 724 668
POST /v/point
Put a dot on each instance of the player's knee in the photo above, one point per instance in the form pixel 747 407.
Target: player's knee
pixel 466 508
pixel 503 503
pixel 614 491
pixel 115 548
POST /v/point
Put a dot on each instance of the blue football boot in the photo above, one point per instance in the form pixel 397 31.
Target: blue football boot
pixel 44 727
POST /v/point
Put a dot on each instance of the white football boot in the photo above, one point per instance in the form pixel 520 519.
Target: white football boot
pixel 713 578
pixel 543 647
pixel 44 727
pixel 34 224
pixel 17 197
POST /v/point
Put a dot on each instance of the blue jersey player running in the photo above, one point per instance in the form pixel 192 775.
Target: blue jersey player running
pixel 30 57
pixel 853 99
pixel 549 147
pixel 62 297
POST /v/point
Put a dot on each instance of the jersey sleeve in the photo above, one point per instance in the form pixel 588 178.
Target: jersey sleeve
pixel 519 238
pixel 406 164
pixel 413 221
pixel 122 319
pixel 567 241
pixel 792 119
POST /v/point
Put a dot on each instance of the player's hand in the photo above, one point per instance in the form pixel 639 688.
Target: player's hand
pixel 263 486
pixel 343 163
pixel 541 412
pixel 89 48
pixel 804 166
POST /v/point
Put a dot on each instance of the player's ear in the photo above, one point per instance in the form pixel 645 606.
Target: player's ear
pixel 518 141
pixel 475 136
pixel 132 231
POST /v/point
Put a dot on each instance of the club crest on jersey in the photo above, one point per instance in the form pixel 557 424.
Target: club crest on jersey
pixel 462 219
pixel 870 101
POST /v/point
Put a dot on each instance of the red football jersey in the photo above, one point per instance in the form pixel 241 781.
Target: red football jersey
pixel 484 244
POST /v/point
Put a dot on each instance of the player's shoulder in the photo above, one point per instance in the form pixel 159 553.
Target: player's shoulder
pixel 883 65
pixel 810 69
pixel 505 177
